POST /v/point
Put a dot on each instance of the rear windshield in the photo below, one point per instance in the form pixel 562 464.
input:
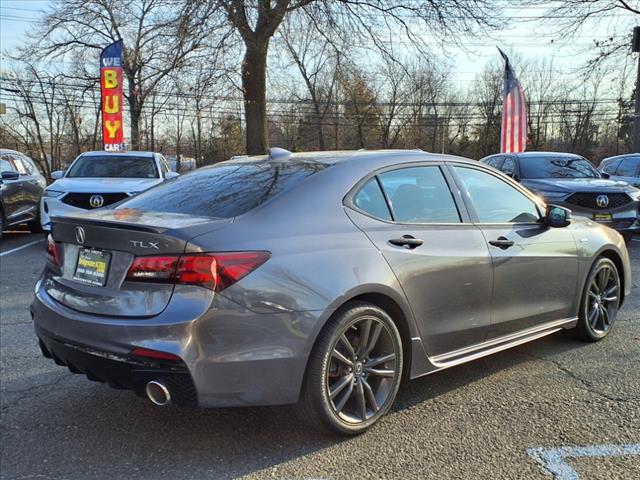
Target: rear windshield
pixel 114 166
pixel 557 167
pixel 223 191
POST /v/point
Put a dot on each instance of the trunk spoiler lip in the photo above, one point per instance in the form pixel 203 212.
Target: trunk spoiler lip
pixel 121 224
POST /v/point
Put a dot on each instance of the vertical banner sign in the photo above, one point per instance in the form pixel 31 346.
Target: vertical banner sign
pixel 514 131
pixel 111 87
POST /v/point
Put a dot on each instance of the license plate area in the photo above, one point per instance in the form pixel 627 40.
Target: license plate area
pixel 92 267
pixel 602 217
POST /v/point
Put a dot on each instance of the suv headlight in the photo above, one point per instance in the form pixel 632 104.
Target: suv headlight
pixel 635 194
pixel 52 193
pixel 550 195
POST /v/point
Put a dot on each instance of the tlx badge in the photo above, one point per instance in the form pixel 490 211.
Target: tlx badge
pixel 141 244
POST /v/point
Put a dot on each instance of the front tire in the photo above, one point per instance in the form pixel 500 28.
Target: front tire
pixel 354 370
pixel 600 301
pixel 34 225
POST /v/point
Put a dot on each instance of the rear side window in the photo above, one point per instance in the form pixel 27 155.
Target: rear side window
pixel 419 195
pixel 371 200
pixel 223 191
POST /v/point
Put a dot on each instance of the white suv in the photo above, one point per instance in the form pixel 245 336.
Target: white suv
pixel 98 179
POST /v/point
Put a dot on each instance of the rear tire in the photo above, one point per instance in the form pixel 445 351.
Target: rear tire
pixel 600 301
pixel 354 371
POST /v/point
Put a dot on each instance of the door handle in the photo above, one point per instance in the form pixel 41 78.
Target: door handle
pixel 502 242
pixel 407 241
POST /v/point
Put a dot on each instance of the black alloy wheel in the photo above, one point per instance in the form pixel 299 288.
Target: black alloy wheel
pixel 600 301
pixel 354 371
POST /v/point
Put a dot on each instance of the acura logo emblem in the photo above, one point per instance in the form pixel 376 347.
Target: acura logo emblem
pixel 80 236
pixel 96 201
pixel 602 201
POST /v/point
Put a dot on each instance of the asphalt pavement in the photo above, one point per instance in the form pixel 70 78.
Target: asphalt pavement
pixel 555 405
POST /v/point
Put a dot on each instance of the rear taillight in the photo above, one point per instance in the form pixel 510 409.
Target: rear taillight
pixel 52 251
pixel 215 271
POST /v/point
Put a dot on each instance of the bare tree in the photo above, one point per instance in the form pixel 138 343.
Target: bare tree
pixel 570 18
pixel 379 21
pixel 160 36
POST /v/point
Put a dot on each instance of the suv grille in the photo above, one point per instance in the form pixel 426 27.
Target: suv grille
pixel 588 200
pixel 83 200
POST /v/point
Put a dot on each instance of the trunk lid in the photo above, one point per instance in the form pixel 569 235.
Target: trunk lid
pixel 116 238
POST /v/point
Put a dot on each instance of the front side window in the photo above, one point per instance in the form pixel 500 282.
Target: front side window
pixel 494 200
pixel 371 200
pixel 628 167
pixel 419 195
pixel 495 162
pixel 611 167
pixel 557 167
pixel 509 167
pixel 113 166
pixel 7 164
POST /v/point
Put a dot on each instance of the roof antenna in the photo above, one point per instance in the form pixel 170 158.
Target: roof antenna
pixel 276 153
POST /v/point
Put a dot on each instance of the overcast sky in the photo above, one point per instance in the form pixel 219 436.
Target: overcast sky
pixel 528 39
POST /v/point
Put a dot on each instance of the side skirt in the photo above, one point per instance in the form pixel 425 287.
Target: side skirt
pixel 467 354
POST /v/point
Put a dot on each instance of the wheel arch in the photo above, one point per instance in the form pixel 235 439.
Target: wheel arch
pixel 401 316
pixel 616 258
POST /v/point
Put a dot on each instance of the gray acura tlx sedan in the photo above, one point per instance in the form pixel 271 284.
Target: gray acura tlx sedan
pixel 318 278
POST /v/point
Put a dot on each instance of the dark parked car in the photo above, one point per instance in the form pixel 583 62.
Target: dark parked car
pixel 573 182
pixel 319 278
pixel 623 167
pixel 21 186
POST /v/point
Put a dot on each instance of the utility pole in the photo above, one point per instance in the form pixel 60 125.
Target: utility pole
pixel 635 47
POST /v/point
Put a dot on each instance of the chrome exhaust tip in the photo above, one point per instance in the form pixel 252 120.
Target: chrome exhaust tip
pixel 158 393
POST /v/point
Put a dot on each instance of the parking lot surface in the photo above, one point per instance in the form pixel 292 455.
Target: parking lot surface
pixel 555 405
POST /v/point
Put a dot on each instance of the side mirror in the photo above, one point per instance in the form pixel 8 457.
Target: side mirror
pixel 57 174
pixel 9 175
pixel 170 175
pixel 557 217
pixel 605 175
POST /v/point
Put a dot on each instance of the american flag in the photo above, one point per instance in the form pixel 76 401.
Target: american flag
pixel 513 136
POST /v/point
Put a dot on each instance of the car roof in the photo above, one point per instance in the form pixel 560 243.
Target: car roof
pixel 377 157
pixel 8 150
pixel 626 155
pixel 120 154
pixel 525 155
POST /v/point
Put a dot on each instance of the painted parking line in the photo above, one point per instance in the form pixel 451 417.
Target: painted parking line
pixel 553 460
pixel 26 245
pixel 636 239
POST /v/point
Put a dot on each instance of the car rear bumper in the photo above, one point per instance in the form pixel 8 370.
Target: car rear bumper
pixel 231 356
pixel 119 371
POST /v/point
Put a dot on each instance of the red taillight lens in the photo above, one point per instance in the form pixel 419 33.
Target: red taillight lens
pixel 154 354
pixel 213 271
pixel 153 269
pixel 52 251
pixel 231 267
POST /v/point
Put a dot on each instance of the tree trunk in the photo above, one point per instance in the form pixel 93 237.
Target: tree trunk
pixel 254 86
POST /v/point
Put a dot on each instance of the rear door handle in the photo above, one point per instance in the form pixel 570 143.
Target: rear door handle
pixel 407 241
pixel 502 242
